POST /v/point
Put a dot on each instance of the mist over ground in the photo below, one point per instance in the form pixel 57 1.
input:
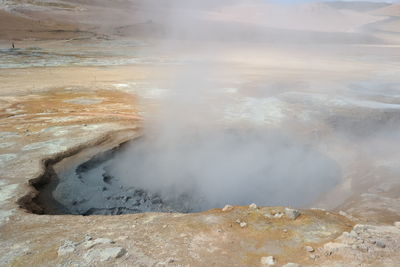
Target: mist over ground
pixel 248 101
pixel 165 111
pixel 191 149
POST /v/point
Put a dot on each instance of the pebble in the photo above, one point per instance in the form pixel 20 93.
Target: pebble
pixel 227 208
pixel 253 206
pixel 88 237
pixel 243 224
pixel 268 261
pixel 309 249
pixel 292 213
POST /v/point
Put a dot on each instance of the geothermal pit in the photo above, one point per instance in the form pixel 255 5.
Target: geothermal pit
pixel 195 173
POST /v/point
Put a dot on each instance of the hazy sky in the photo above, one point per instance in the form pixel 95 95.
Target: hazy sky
pixel 300 1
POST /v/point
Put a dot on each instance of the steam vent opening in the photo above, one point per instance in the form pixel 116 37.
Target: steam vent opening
pixel 198 172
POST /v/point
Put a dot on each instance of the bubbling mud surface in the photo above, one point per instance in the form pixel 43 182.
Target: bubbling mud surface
pixel 133 179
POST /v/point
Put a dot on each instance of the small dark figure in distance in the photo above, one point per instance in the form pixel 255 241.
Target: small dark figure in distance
pixel 13 46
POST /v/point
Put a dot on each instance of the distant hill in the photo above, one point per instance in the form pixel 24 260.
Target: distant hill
pixel 391 10
pixel 361 6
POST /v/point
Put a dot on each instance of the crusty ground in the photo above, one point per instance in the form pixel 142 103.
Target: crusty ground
pixel 34 99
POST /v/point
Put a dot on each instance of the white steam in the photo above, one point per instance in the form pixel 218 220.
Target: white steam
pixel 190 150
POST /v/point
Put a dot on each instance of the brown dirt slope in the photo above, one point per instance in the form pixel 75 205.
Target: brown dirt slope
pixel 14 27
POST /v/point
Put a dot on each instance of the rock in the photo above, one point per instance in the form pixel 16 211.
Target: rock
pixel 88 237
pixel 309 249
pixel 291 264
pixel 397 224
pixel 66 248
pixel 104 254
pixel 227 208
pixel 243 224
pixel 380 244
pixel 268 261
pixel 292 213
pixel 91 243
pixel 268 215
pixel 253 206
pixel 274 215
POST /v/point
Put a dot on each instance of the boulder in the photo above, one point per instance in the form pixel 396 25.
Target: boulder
pixel 104 254
pixel 292 213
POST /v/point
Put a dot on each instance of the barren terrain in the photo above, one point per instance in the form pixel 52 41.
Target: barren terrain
pixel 80 82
